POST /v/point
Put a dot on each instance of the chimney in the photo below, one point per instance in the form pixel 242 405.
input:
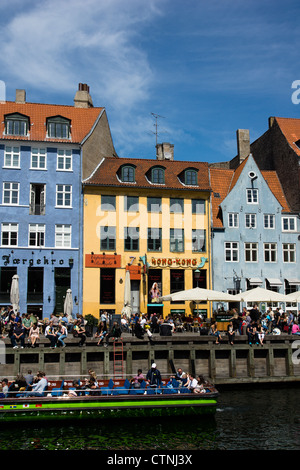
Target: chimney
pixel 165 151
pixel 83 98
pixel 243 143
pixel 20 96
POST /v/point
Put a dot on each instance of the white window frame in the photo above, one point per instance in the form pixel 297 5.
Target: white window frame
pixel 289 219
pixel 64 160
pixel 40 153
pixel 12 157
pixel 233 220
pixel 252 249
pixel 64 193
pixel 290 251
pixel 250 220
pixel 63 236
pixel 269 249
pixel 231 248
pixel 37 229
pixel 269 219
pixel 9 190
pixel 252 195
pixel 9 228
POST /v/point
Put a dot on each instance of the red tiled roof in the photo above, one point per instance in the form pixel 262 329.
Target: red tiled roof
pixel 82 120
pixel 107 174
pixel 223 181
pixel 290 127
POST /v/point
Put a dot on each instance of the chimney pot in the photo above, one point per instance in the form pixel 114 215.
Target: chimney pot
pixel 20 96
pixel 243 144
pixel 83 98
pixel 165 151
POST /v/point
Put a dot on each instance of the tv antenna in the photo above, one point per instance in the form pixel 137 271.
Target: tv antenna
pixel 156 116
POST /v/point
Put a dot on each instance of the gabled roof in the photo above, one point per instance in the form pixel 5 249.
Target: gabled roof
pixel 107 174
pixel 82 120
pixel 224 180
pixel 290 128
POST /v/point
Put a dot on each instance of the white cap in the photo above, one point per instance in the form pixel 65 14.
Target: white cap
pixel 153 365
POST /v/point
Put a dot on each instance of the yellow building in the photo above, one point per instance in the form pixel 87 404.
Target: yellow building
pixel 151 217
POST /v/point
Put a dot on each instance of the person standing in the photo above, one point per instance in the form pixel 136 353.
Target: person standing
pixel 153 377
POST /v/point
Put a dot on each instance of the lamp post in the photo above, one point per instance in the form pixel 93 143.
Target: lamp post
pixel 197 275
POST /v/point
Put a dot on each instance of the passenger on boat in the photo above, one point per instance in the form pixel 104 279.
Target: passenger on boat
pixel 5 388
pixel 39 388
pixel 153 377
pixel 191 382
pixel 137 380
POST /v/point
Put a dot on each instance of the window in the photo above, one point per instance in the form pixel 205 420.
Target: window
pixel 198 240
pixel 36 235
pixel 190 177
pixel 176 205
pixel 270 252
pixel 269 221
pixel 37 204
pixel 63 236
pixel 251 252
pixel 158 176
pixel 63 195
pixel 198 206
pixel 176 280
pixel 12 157
pixel 16 124
pixel 107 286
pixel 10 193
pixel 38 159
pixel 154 239
pixel 154 204
pixel 176 240
pixel 232 251
pixel 108 238
pixel 289 252
pixel 9 234
pixel 233 220
pixel 128 174
pixel 108 203
pixel 131 203
pixel 252 196
pixel 250 220
pixel 64 160
pixel 289 224
pixel 131 238
pixel 58 128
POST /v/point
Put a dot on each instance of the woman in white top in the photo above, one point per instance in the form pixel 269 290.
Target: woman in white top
pixel 34 335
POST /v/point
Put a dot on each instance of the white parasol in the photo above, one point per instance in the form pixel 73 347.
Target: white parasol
pixel 15 293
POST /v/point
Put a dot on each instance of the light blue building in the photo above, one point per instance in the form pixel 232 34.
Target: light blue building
pixel 45 152
pixel 255 236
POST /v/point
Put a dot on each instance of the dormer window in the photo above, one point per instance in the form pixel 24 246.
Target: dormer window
pixel 128 174
pixel 190 177
pixel 158 175
pixel 58 127
pixel 16 124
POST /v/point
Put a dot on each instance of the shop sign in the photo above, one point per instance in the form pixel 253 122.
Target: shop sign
pixel 135 272
pixel 102 261
pixel 184 262
pixel 30 261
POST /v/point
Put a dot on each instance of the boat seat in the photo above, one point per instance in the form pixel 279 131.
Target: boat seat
pixel 123 390
pixel 58 392
pixel 107 390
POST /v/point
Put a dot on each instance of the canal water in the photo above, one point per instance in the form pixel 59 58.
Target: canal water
pixel 251 418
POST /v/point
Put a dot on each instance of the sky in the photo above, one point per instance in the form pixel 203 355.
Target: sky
pixel 198 69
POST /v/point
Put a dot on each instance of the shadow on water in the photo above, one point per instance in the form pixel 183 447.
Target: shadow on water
pixel 247 418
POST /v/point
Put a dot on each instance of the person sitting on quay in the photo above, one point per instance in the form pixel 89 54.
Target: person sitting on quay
pixel 252 333
pixel 100 333
pixel 34 335
pixel 215 332
pixel 26 322
pixel 295 328
pixel 79 331
pixel 50 334
pixel 62 333
pixel 231 333
pixel 18 334
pixel 114 333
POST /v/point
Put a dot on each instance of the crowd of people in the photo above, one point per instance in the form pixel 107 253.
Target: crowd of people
pixel 30 385
pixel 256 325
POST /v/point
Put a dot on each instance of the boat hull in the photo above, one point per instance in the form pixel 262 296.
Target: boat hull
pixel 62 408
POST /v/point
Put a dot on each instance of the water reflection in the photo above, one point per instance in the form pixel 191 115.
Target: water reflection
pixel 266 419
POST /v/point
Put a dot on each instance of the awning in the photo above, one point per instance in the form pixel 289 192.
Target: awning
pixel 254 281
pixel 274 282
pixel 293 282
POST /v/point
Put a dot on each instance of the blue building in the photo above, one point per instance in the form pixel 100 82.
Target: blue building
pixel 46 150
pixel 254 232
